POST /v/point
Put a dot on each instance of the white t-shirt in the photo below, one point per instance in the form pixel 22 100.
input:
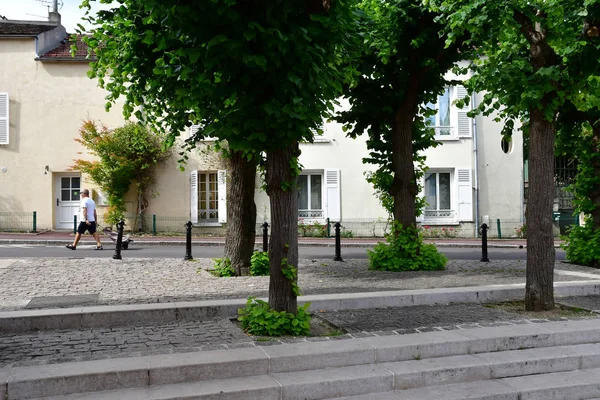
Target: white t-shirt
pixel 90 206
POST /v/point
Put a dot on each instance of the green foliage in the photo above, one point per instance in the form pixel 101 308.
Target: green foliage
pixel 291 273
pixel 405 251
pixel 346 233
pixel 311 230
pixel 581 245
pixel 521 231
pixel 223 268
pixel 258 318
pixel 402 63
pixel 127 156
pixel 259 263
pixel 443 232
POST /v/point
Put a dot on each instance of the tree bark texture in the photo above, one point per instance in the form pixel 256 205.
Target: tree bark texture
pixel 404 188
pixel 241 212
pixel 539 289
pixel 283 248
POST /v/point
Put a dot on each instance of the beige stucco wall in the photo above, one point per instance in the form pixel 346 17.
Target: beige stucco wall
pixel 48 103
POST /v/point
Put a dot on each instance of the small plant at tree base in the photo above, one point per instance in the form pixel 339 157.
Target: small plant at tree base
pixel 258 318
pixel 259 263
pixel 223 267
pixel 405 251
pixel 581 246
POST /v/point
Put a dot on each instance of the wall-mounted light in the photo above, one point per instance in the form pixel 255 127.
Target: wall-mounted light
pixel 46 170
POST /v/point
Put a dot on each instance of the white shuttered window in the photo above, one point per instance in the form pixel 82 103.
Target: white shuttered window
pixel 4 122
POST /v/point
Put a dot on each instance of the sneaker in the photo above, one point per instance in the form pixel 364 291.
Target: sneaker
pixel 70 246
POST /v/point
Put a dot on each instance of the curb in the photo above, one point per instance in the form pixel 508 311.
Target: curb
pixel 119 315
pixel 56 242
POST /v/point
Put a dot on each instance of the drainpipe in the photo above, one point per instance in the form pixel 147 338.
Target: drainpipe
pixel 476 177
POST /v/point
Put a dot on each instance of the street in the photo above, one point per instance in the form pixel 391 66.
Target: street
pixel 175 251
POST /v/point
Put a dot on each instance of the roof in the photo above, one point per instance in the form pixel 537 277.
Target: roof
pixel 24 28
pixel 63 51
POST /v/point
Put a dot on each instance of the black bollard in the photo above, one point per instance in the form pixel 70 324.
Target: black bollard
pixel 118 245
pixel 188 241
pixel 484 253
pixel 338 246
pixel 265 227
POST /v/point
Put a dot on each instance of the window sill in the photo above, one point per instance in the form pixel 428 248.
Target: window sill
pixel 318 139
pixel 208 224
pixel 446 138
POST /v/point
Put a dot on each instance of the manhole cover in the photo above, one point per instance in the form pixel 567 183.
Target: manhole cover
pixel 63 301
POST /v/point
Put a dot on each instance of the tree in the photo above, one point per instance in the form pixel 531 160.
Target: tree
pixel 402 64
pixel 127 155
pixel 257 74
pixel 520 48
pixel 580 135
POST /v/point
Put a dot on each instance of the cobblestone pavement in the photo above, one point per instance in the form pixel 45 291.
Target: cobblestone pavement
pixel 165 280
pixel 49 347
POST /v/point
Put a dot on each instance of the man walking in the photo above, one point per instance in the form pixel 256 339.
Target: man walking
pixel 88 220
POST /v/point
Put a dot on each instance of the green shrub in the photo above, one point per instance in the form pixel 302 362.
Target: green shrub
pixel 521 231
pixel 223 267
pixel 312 230
pixel 582 245
pixel 259 263
pixel 258 318
pixel 405 251
pixel 346 233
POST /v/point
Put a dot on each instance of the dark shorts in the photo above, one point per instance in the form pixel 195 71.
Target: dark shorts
pixel 91 228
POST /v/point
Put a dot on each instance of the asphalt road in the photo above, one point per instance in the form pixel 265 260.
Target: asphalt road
pixel 316 252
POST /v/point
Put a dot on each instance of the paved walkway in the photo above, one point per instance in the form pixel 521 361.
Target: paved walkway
pixel 140 280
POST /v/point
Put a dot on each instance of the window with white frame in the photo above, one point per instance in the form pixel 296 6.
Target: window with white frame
pixel 208 197
pixel 441 121
pixel 438 195
pixel 310 195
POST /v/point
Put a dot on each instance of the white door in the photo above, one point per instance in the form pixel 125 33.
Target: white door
pixel 67 196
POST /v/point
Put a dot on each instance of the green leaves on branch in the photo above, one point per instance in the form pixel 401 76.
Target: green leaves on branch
pixel 126 156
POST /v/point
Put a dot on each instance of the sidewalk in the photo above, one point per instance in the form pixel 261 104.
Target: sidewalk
pixel 60 237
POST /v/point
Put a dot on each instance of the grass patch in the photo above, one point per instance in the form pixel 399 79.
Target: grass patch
pixel 518 307
pixel 318 328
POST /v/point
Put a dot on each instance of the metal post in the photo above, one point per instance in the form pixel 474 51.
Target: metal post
pixel 338 247
pixel 484 252
pixel 74 224
pixel 154 224
pixel 265 227
pixel 499 230
pixel 34 222
pixel 328 228
pixel 118 245
pixel 188 241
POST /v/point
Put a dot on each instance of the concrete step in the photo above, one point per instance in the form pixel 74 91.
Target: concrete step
pixel 366 382
pixel 403 361
pixel 160 313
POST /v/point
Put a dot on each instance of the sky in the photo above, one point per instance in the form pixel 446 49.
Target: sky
pixel 37 10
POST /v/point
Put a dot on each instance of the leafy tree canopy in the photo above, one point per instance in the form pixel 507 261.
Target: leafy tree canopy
pixel 258 74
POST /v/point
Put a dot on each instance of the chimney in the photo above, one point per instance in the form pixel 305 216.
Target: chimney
pixel 54 16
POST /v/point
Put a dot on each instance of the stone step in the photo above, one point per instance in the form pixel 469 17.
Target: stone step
pixel 361 383
pixel 389 355
pixel 126 315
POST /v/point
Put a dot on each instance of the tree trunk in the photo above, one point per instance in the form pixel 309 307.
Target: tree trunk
pixel 283 249
pixel 241 212
pixel 404 188
pixel 539 289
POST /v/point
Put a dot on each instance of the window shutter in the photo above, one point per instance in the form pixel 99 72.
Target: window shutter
pixel 194 197
pixel 464 124
pixel 333 194
pixel 465 195
pixel 4 126
pixel 193 130
pixel 222 188
pixel 421 218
